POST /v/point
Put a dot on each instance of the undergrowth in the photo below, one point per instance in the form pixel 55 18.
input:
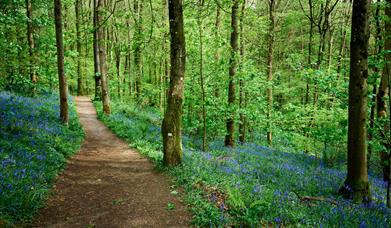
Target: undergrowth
pixel 33 149
pixel 252 185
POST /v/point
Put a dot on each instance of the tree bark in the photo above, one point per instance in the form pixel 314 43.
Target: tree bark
pixel 30 39
pixel 201 49
pixel 63 87
pixel 356 185
pixel 80 92
pixel 172 122
pixel 376 70
pixel 272 6
pixel 97 74
pixel 102 60
pixel 242 94
pixel 138 11
pixel 229 138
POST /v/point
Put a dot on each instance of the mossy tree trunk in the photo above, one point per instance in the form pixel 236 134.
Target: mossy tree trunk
pixel 356 185
pixel 172 122
pixel 229 138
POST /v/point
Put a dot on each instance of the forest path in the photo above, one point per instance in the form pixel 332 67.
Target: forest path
pixel 107 184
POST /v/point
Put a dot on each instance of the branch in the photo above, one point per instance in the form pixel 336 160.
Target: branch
pixel 314 198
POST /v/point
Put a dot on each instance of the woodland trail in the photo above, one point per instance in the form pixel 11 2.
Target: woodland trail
pixel 107 184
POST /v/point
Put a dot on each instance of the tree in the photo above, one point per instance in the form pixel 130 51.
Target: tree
pixel 64 116
pixel 138 19
pixel 201 49
pixel 172 122
pixel 102 59
pixel 30 39
pixel 229 138
pixel 78 4
pixel 272 8
pixel 242 93
pixel 97 74
pixel 356 185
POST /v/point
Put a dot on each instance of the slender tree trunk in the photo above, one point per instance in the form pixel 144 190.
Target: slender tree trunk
pixel 242 98
pixel 229 138
pixel 63 87
pixel 201 49
pixel 341 52
pixel 217 53
pixel 117 66
pixel 97 76
pixel 102 60
pixel 330 51
pixel 126 71
pixel 80 92
pixel 374 90
pixel 138 8
pixel 118 63
pixel 172 122
pixel 30 39
pixel 272 6
pixel 356 185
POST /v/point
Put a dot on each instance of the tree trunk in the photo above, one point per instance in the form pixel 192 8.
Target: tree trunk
pixel 138 8
pixel 201 49
pixel 376 70
pixel 356 185
pixel 97 76
pixel 242 94
pixel 80 91
pixel 172 122
pixel 118 63
pixel 126 72
pixel 30 39
pixel 229 138
pixel 63 87
pixel 341 52
pixel 102 59
pixel 272 6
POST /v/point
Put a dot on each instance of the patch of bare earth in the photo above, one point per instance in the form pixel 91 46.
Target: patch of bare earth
pixel 108 184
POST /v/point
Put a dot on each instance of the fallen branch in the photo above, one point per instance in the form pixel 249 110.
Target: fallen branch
pixel 314 198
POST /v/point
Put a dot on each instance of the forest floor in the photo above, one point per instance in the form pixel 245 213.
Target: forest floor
pixel 107 184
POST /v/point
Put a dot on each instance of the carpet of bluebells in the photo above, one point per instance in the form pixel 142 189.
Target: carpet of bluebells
pixel 33 149
pixel 252 185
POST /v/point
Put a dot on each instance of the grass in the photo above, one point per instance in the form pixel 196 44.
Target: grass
pixel 33 149
pixel 252 185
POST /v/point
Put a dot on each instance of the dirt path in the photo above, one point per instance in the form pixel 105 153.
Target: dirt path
pixel 107 184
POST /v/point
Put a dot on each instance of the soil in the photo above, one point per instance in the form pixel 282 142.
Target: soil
pixel 108 184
